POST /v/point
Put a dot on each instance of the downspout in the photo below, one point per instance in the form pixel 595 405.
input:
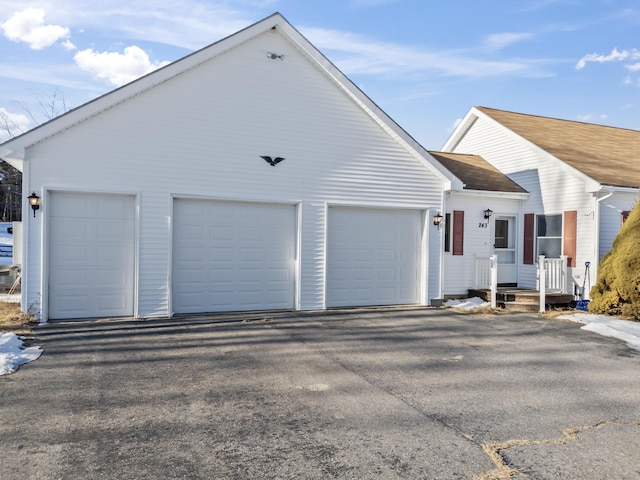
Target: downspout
pixel 596 219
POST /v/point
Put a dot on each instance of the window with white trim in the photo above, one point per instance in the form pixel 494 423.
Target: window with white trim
pixel 549 235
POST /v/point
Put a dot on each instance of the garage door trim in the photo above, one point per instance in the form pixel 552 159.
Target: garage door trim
pixel 45 254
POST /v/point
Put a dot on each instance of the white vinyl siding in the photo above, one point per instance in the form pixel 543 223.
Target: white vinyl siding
pixel 91 255
pixel 225 114
pixel 232 256
pixel 552 188
pixel 373 257
pixel 459 270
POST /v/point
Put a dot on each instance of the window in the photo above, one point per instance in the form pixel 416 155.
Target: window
pixel 549 235
pixel 501 233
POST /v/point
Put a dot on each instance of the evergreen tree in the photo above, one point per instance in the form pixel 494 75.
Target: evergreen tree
pixel 617 290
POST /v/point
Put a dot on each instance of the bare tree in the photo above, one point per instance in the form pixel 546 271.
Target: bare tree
pixel 11 179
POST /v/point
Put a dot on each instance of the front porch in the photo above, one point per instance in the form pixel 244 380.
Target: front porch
pixel 552 286
pixel 522 299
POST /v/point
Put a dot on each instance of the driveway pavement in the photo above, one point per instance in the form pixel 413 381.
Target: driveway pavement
pixel 371 393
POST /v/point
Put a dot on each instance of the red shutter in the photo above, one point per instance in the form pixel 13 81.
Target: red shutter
pixel 529 238
pixel 458 232
pixel 569 228
pixel 625 215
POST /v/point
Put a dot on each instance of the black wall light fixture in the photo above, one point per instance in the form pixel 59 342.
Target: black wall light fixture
pixel 271 161
pixel 487 213
pixel 437 220
pixel 34 201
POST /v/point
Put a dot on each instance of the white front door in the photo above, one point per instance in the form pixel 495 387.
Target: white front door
pixel 504 243
pixel 91 255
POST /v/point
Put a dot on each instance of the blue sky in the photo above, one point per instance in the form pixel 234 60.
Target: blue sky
pixel 424 62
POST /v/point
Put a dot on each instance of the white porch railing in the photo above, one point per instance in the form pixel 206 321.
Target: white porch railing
pixel 487 275
pixel 555 273
pixel 483 272
pixel 552 275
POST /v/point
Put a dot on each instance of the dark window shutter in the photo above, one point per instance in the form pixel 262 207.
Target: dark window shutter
pixel 447 232
pixel 458 232
pixel 570 226
pixel 529 238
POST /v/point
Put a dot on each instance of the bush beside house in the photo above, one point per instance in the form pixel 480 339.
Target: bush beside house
pixel 617 290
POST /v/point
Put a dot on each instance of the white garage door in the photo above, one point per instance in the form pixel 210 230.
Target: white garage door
pixel 232 256
pixel 91 255
pixel 373 257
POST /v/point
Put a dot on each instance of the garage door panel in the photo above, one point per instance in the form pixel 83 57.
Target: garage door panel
pixel 373 257
pixel 248 251
pixel 91 255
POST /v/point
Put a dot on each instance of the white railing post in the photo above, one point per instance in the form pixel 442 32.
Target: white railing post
pixel 565 274
pixel 543 282
pixel 494 280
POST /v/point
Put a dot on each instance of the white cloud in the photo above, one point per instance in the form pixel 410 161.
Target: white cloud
pixel 615 56
pixel 591 117
pixel 502 40
pixel 12 124
pixel 28 26
pixel 359 55
pixel 117 68
pixel 633 67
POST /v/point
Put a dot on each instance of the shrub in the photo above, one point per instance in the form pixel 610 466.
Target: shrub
pixel 617 290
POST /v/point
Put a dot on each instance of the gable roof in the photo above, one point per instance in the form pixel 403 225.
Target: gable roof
pixel 476 173
pixel 608 155
pixel 13 150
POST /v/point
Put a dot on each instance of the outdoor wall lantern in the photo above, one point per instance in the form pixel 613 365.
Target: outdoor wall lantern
pixel 274 56
pixel 437 220
pixel 487 213
pixel 34 201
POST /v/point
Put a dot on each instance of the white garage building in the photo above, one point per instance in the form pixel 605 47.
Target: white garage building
pixel 250 175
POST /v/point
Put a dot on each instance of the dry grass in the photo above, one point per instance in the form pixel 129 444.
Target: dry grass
pixel 13 320
pixel 504 471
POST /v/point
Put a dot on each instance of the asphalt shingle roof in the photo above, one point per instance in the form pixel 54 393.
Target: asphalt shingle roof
pixel 609 155
pixel 476 173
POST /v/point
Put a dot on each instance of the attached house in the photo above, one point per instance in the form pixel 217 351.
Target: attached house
pixel 481 212
pixel 249 175
pixel 576 182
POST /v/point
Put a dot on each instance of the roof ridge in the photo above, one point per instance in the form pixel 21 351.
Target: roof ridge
pixel 483 108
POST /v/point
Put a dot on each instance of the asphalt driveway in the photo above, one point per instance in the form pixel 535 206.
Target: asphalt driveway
pixel 375 393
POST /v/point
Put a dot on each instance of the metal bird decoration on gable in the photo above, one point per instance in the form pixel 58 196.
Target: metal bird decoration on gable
pixel 272 161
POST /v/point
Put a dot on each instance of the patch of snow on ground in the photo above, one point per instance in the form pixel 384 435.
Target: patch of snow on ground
pixel 13 298
pixel 12 355
pixel 624 330
pixel 467 303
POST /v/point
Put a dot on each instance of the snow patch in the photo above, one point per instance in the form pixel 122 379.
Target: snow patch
pixel 12 355
pixel 624 330
pixel 467 303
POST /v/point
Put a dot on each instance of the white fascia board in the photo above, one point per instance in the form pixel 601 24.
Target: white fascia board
pixel 16 146
pixel 452 142
pixel 614 189
pixel 365 103
pixel 491 194
pixel 16 163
